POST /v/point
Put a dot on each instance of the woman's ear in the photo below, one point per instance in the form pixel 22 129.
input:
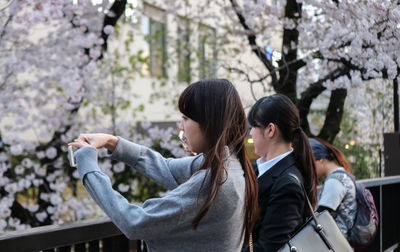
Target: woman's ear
pixel 270 130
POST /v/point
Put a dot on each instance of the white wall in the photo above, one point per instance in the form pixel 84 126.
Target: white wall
pixel 158 111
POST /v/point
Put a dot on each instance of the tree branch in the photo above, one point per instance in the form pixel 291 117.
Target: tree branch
pixel 3 32
pixel 251 37
pixel 231 69
pixel 312 92
pixel 5 80
pixel 252 82
pixel 6 5
pixel 117 9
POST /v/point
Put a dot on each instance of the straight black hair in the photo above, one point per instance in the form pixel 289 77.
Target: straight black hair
pixel 281 111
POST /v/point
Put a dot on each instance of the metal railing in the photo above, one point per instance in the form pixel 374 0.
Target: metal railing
pixel 102 235
pixel 90 235
pixel 386 193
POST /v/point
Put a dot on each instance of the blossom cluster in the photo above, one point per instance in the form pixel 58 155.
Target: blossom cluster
pixel 50 69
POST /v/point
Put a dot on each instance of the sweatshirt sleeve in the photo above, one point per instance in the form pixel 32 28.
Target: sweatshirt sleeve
pixel 332 194
pixel 136 222
pixel 169 172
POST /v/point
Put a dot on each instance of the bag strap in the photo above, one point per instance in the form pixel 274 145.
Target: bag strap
pixel 305 195
pixel 251 242
pixel 348 174
pixel 318 228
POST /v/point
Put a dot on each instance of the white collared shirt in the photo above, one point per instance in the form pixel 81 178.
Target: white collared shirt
pixel 265 166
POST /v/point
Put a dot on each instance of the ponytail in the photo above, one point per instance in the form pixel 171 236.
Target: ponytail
pixel 305 163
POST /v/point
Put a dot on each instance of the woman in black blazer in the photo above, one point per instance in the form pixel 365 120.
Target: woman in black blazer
pixel 285 159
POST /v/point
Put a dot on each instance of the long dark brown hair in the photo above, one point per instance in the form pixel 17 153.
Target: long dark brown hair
pixel 335 155
pixel 215 105
pixel 280 110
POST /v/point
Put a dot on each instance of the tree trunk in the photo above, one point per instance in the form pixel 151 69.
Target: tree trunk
pixel 288 72
pixel 304 104
pixel 333 115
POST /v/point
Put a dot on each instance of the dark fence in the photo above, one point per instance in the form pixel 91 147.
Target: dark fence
pixel 92 236
pixel 386 192
pixel 102 235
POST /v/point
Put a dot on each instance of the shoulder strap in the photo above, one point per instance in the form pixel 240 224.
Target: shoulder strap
pixel 318 227
pixel 305 195
pixel 345 172
pixel 348 174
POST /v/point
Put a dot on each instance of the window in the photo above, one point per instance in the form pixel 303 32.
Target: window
pixel 276 2
pixel 207 52
pixel 183 51
pixel 154 29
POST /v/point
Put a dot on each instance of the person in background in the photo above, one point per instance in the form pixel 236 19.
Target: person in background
pixel 285 166
pixel 338 193
pixel 212 202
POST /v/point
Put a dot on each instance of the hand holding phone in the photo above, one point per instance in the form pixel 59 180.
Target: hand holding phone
pixel 71 156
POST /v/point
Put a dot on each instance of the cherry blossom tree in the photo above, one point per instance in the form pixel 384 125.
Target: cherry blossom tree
pixel 326 45
pixel 53 65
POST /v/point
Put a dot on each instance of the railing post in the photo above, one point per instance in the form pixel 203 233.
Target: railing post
pixel 380 218
pixel 81 247
pixel 94 246
pixel 65 249
pixel 107 245
pixel 120 243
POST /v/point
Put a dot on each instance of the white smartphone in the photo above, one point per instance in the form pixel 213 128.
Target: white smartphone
pixel 71 156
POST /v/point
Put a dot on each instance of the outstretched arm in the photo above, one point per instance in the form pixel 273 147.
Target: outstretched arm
pixel 155 219
pixel 169 172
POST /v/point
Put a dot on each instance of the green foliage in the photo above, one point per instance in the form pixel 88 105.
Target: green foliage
pixel 364 158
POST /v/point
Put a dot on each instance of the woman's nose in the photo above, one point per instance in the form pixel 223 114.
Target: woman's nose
pixel 181 125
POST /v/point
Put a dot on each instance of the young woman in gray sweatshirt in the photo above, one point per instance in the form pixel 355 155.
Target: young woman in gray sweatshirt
pixel 212 202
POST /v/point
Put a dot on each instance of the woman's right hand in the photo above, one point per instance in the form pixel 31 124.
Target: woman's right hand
pixel 100 140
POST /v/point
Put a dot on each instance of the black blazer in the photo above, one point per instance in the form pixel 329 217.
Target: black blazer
pixel 282 203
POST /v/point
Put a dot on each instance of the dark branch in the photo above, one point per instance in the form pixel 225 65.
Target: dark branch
pixel 249 80
pixel 2 8
pixel 5 79
pixel 3 32
pixel 312 92
pixel 336 2
pixel 251 37
pixel 231 69
pixel 116 11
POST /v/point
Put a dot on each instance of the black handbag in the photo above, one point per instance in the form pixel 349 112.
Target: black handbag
pixel 319 234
